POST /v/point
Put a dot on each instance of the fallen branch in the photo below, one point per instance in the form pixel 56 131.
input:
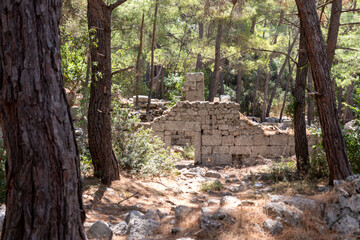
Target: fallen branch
pixel 128 198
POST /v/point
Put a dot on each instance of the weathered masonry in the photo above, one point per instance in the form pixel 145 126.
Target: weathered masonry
pixel 219 133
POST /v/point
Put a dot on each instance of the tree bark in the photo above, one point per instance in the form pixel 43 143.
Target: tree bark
pixel 339 102
pixel 199 62
pixel 267 80
pixel 253 24
pixel 348 114
pixel 310 113
pixel 138 60
pixel 152 58
pixel 273 92
pixel 301 143
pixel 162 83
pixel 99 119
pixel 333 140
pixel 255 91
pixel 43 179
pixel 238 85
pixel 217 71
pixel 336 8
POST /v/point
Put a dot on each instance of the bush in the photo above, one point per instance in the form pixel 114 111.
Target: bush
pixel 189 152
pixel 285 170
pixel 215 185
pixel 137 149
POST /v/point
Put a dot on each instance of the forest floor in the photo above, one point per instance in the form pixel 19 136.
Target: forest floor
pixel 252 185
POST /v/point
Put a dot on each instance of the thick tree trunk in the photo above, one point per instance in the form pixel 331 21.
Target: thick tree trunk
pixel 99 119
pixel 152 58
pixel 267 80
pixel 217 72
pixel 310 112
pixel 286 91
pixel 273 92
pixel 333 32
pixel 138 60
pixel 255 92
pixel 333 140
pixel 301 143
pixel 238 85
pixel 43 180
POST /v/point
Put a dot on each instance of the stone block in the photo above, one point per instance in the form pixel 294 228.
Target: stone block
pixel 261 140
pixel 244 140
pixel 160 135
pixel 179 125
pixel 168 141
pixel 222 159
pixel 203 112
pixel 228 140
pixel 241 150
pixel 211 140
pixel 221 150
pixel 279 140
pixel 158 127
pixel 223 127
pixel 206 150
pixel 260 150
pixel 225 133
pixel 197 147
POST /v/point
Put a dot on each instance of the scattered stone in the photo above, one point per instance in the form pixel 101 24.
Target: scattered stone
pixel 258 185
pixel 346 225
pixel 133 215
pixel 182 211
pixel 247 203
pixel 100 231
pixel 120 229
pixel 213 202
pixel 153 214
pixel 234 189
pixel 229 200
pixel 291 217
pixel 142 228
pixel 272 226
pixel 175 230
pixel 213 174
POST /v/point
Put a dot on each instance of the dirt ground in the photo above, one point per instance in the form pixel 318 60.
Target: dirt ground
pixel 109 204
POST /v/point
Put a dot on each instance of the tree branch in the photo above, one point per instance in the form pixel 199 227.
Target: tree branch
pixel 346 24
pixel 351 10
pixel 121 70
pixel 345 48
pixel 285 54
pixel 116 4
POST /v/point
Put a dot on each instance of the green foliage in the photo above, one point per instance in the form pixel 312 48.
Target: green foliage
pixel 284 170
pixel 352 137
pixel 2 172
pixel 173 85
pixel 189 151
pixel 137 149
pixel 215 185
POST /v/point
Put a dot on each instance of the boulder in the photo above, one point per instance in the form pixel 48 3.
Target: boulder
pixel 230 200
pixel 290 215
pixel 100 231
pixel 120 229
pixel 272 226
pixel 182 211
pixel 141 229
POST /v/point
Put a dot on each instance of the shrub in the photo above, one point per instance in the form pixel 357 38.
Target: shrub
pixel 285 170
pixel 215 185
pixel 189 151
pixel 138 151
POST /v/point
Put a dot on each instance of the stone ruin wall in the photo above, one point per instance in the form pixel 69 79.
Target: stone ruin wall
pixel 219 133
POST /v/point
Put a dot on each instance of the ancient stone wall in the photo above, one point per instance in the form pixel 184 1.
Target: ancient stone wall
pixel 219 133
pixel 194 87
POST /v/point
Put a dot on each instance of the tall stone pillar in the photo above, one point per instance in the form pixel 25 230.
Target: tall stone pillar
pixel 194 87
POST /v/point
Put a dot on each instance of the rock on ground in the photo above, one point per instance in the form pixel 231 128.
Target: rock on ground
pixel 100 231
pixel 291 217
pixel 273 227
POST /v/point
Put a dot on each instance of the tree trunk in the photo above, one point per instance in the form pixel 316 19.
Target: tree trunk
pixel 238 85
pixel 255 91
pixel 310 113
pixel 278 26
pixel 340 94
pixel 333 140
pixel 217 71
pixel 253 23
pixel 301 143
pixel 152 58
pixel 162 83
pixel 138 60
pixel 333 32
pixel 267 80
pixel 43 180
pixel 199 62
pixel 273 92
pixel 286 91
pixel 99 119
